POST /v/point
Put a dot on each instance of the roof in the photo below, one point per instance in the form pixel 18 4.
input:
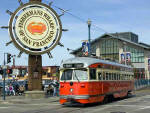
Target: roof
pixel 87 61
pixel 145 46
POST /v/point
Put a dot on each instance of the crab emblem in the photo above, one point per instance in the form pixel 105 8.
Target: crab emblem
pixel 36 28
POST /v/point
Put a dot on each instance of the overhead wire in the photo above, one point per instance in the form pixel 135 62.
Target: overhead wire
pixel 79 18
pixel 82 20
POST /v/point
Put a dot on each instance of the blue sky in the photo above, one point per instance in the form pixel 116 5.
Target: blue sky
pixel 110 15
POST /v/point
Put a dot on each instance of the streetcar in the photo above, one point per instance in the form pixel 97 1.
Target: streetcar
pixel 91 80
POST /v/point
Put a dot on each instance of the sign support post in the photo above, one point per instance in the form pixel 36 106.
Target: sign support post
pixel 34 64
pixel 35 72
pixel 35 61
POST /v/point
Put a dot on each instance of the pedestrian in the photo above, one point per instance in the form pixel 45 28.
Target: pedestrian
pixel 11 90
pixel 21 89
pixel 48 89
pixel 16 88
pixel 55 87
pixel 6 90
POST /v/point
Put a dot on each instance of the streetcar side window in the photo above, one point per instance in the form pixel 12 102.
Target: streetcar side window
pixel 99 76
pixel 104 76
pixel 115 76
pixel 92 74
pixel 107 76
pixel 119 77
pixel 110 77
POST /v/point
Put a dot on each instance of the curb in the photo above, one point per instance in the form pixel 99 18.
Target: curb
pixel 27 101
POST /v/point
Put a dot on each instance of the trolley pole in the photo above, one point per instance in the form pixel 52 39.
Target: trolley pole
pixel 89 36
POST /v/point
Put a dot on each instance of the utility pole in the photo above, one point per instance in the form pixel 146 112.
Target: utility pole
pixel 89 34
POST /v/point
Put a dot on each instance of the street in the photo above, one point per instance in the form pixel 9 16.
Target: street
pixel 139 103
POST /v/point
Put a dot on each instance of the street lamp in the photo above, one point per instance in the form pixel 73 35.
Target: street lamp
pixel 89 39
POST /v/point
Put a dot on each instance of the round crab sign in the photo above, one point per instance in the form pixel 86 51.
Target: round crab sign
pixel 35 28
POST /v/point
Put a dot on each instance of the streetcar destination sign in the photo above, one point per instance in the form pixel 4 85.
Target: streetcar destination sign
pixel 35 28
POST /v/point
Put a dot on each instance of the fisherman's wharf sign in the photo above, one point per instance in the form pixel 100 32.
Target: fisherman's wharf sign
pixel 35 28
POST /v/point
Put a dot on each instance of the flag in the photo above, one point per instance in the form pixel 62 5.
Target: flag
pixel 85 48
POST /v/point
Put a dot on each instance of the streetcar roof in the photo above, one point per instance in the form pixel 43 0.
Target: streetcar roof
pixel 89 61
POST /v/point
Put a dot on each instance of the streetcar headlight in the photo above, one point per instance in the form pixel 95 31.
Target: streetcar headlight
pixel 71 90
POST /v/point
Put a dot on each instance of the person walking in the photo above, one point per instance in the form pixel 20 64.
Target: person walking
pixel 11 90
pixel 55 87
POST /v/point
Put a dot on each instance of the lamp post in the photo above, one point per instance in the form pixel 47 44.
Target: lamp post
pixel 89 35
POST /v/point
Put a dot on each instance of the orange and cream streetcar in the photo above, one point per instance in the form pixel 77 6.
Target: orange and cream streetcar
pixel 90 80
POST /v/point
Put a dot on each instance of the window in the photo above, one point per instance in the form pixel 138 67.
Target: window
pixel 119 76
pixel 107 76
pixel 115 76
pixel 92 74
pixel 104 76
pixel 80 74
pixel 67 75
pixel 99 75
pixel 109 49
pixel 110 77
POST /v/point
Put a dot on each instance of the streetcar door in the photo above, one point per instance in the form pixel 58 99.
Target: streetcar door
pixel 92 81
pixel 100 79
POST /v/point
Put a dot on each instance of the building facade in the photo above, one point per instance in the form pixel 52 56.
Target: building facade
pixel 123 48
pixel 20 73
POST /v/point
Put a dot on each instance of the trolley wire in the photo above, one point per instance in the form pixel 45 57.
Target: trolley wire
pixel 79 18
pixel 82 20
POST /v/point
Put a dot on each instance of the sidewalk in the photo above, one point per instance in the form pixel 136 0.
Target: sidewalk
pixel 23 100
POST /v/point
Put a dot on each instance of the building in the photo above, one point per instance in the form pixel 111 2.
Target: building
pixel 20 73
pixel 124 48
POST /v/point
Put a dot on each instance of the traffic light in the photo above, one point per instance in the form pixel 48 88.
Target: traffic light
pixel 1 71
pixel 9 71
pixel 8 58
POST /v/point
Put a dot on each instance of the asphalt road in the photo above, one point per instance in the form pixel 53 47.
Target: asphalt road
pixel 139 103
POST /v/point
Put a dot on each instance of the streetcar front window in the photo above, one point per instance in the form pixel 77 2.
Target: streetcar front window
pixel 74 74
pixel 67 75
pixel 80 74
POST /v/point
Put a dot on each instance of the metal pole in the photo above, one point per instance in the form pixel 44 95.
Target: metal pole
pixel 89 39
pixel 35 0
pixel 4 73
pixel 13 61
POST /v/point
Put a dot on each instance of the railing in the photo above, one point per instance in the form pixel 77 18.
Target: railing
pixel 141 83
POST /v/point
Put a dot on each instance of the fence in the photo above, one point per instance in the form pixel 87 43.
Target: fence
pixel 141 83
